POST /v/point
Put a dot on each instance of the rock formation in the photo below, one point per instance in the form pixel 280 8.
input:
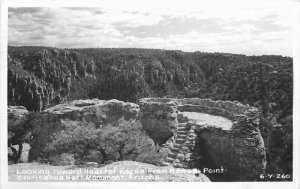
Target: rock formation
pixel 16 119
pixel 16 114
pixel 42 78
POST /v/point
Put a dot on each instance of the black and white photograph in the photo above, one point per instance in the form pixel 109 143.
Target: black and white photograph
pixel 187 92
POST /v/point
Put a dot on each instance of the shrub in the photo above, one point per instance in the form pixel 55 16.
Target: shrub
pixel 154 156
pixel 102 144
pixel 63 159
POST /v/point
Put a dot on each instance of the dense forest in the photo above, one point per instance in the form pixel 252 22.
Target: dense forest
pixel 39 77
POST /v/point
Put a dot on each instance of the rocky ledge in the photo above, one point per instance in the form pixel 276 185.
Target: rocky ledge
pixel 98 111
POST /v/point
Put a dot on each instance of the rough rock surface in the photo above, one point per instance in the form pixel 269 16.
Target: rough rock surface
pixel 97 111
pixel 38 79
pixel 16 114
pixel 16 118
pixel 146 173
pixel 238 148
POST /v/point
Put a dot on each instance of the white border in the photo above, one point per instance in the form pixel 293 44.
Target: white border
pixel 93 3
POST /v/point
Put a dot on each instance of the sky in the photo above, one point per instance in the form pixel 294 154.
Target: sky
pixel 251 27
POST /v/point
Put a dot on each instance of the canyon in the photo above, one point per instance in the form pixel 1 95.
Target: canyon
pixel 205 110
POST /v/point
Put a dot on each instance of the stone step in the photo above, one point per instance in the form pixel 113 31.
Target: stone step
pixel 185 148
pixel 176 145
pixel 180 140
pixel 182 129
pixel 182 132
pixel 182 124
pixel 172 154
pixel 181 136
pixel 169 160
pixel 175 149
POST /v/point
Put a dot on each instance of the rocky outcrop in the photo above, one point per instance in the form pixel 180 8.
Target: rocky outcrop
pixel 18 137
pixel 100 112
pixel 39 79
pixel 16 115
pixel 238 147
pixel 97 111
pixel 122 171
pixel 16 118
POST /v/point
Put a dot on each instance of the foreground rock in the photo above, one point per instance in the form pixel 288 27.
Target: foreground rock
pixel 98 111
pixel 122 171
pixel 16 115
pixel 16 118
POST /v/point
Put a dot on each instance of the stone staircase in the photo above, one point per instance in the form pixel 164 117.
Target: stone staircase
pixel 180 146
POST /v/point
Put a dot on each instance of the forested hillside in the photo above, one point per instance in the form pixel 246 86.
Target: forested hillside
pixel 129 74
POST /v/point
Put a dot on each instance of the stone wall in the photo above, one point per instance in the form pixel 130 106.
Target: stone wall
pixel 241 150
pixel 159 118
pixel 242 154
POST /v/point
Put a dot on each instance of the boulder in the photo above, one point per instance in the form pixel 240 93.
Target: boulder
pixel 16 118
pixel 16 114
